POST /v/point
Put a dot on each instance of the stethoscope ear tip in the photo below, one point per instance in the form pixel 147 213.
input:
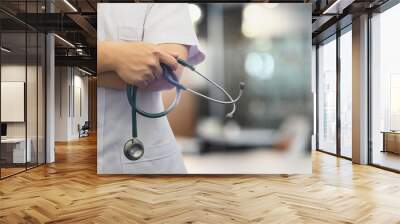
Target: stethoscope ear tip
pixel 242 85
pixel 229 116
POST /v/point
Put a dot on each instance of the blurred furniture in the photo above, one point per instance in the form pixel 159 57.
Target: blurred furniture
pixel 13 150
pixel 214 135
pixel 292 135
pixel 391 141
pixel 84 130
pixel 3 130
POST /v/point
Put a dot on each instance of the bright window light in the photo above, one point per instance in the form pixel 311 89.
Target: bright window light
pixel 260 20
pixel 260 65
pixel 195 13
pixel 253 15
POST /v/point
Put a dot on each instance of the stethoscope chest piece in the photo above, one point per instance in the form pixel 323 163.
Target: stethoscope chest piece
pixel 133 149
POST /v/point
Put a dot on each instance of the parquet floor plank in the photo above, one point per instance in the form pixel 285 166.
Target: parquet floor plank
pixel 70 191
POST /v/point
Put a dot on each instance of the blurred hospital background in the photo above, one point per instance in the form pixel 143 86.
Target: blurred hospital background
pixel 49 100
pixel 268 47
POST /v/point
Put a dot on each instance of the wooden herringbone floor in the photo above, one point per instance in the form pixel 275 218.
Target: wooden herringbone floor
pixel 69 191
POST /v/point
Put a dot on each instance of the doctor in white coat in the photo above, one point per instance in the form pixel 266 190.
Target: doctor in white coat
pixel 133 39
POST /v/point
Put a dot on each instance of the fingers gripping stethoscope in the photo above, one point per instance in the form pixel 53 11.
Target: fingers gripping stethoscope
pixel 133 148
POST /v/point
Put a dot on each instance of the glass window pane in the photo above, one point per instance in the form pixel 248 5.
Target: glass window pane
pixel 327 97
pixel 31 97
pixel 23 90
pixel 346 94
pixel 14 153
pixel 385 89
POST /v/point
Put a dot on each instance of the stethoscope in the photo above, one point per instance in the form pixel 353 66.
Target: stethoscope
pixel 134 148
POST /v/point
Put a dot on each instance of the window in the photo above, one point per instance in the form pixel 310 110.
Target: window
pixel 327 97
pixel 385 89
pixel 23 89
pixel 346 94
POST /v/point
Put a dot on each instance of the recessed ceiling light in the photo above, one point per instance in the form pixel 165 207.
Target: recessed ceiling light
pixel 64 40
pixel 5 50
pixel 337 7
pixel 84 71
pixel 70 5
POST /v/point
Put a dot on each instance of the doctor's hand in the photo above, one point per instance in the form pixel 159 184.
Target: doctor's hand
pixel 136 63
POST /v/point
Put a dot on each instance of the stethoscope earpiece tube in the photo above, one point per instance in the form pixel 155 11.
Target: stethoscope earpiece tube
pixel 242 85
pixel 231 100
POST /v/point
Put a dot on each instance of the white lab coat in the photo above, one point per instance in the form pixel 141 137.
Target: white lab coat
pixel 164 23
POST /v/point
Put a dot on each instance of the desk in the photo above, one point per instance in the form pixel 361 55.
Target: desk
pixel 391 141
pixel 13 150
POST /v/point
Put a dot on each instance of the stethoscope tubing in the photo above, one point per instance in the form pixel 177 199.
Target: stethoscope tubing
pixel 131 93
pixel 171 77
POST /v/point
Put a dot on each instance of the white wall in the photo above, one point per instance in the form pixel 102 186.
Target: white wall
pixel 79 117
pixel 69 85
pixel 13 72
pixel 61 103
